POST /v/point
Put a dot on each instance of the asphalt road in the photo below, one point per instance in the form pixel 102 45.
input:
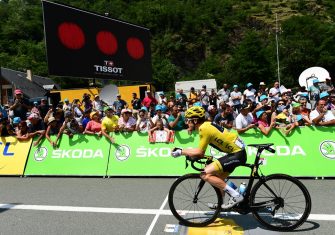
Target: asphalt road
pixel 125 206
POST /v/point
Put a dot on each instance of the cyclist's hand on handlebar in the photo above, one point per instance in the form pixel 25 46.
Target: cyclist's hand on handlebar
pixel 176 152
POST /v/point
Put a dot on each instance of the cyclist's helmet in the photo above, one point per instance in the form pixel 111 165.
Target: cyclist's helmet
pixel 195 112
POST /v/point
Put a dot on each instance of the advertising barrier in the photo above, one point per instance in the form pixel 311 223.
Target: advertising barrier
pixel 80 155
pixel 308 151
pixel 13 155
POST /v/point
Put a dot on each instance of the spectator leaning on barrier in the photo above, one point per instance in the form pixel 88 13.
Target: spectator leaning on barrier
pixel 52 129
pixel 244 121
pixel 36 126
pixel 158 127
pixel 298 118
pixel 70 125
pixel 236 97
pixel 20 106
pixel 144 122
pixel 93 127
pixel 109 123
pixel 263 104
pixel 321 116
pixel 126 122
pixel 176 119
pixel 263 124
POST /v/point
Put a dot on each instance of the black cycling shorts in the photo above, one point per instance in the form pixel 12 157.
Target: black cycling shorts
pixel 229 162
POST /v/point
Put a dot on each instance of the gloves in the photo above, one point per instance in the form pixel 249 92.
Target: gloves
pixel 176 152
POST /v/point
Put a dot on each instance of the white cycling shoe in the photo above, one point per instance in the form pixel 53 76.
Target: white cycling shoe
pixel 232 202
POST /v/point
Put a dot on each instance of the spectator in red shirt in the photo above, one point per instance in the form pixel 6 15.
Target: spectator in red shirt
pixel 149 100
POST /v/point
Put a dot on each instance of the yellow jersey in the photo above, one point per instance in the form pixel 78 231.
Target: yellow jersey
pixel 223 140
pixel 109 124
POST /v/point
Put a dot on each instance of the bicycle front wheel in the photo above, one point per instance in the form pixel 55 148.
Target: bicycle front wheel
pixel 189 199
pixel 280 202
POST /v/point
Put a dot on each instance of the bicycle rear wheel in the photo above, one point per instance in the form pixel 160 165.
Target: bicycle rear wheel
pixel 192 210
pixel 280 202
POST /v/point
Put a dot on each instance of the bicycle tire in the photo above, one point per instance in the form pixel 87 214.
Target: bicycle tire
pixel 182 193
pixel 289 218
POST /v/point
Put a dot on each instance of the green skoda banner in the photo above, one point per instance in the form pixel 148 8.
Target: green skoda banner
pixel 308 151
pixel 80 155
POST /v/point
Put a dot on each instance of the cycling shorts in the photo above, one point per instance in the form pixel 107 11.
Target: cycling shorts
pixel 229 162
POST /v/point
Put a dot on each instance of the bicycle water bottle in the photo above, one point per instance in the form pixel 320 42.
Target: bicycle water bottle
pixel 242 188
pixel 231 184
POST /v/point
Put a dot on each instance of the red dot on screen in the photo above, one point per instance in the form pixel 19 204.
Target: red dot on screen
pixel 135 48
pixel 71 35
pixel 106 42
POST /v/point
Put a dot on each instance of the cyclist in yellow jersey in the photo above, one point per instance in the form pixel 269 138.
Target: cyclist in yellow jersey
pixel 222 140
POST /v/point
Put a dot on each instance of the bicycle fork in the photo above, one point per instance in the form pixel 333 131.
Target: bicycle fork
pixel 200 186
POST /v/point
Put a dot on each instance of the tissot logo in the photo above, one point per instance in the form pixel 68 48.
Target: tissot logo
pixel 108 68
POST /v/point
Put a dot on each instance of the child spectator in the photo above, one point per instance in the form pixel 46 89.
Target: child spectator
pixel 93 127
pixel 160 115
pixel 159 127
pixel 126 122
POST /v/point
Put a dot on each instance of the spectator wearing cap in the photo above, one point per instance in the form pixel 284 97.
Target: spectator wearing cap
pixel 192 97
pixel 224 93
pixel 99 104
pixel 301 93
pixel 213 99
pixel 162 100
pixel 236 97
pixel 225 118
pixel 144 122
pixel 263 124
pixel 70 125
pixel 109 124
pixel 176 119
pixel 297 118
pixel 250 93
pixel 321 116
pixel 84 119
pixel 314 92
pixel 262 90
pixel 244 120
pixel 93 127
pixel 67 105
pixel 52 129
pixel 181 98
pixel 136 102
pixel 274 92
pixel 20 106
pixel 160 115
pixel 36 127
pixel 35 109
pixel 212 112
pixel 119 104
pixel 149 100
pixel 126 122
pixel 263 104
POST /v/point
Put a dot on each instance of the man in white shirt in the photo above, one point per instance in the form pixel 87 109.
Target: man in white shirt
pixel 274 92
pixel 244 121
pixel 224 93
pixel 321 116
pixel 236 97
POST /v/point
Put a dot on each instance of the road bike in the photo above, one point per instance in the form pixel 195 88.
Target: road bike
pixel 278 201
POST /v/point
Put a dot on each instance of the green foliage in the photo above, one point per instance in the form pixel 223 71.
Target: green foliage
pixel 191 39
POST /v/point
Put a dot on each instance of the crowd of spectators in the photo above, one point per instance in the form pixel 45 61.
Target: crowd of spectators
pixel 261 108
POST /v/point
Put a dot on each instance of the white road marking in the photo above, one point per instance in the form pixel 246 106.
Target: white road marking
pixel 152 225
pixel 160 211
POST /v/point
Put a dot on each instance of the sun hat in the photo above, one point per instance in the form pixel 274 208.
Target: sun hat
pixel 51 119
pixel 126 111
pixel 259 113
pixel 144 108
pixel 296 105
pixel 324 94
pixel 158 108
pixel 66 100
pixel 93 113
pixel 281 116
pixel 18 92
pixel 106 108
pixel 263 97
pixel 262 84
pixel 245 106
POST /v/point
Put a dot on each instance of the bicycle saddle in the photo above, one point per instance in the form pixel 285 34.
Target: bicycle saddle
pixel 261 145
